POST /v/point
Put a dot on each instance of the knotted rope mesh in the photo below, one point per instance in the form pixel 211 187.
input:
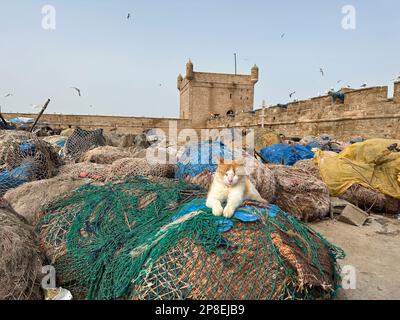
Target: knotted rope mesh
pixel 126 241
pixel 81 141
pixel 24 158
pixel 20 263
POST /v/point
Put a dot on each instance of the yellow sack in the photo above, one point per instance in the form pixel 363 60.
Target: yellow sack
pixel 370 164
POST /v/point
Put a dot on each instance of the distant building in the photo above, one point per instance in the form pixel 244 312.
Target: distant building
pixel 204 94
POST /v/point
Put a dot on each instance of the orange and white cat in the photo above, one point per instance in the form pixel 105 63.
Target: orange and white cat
pixel 230 184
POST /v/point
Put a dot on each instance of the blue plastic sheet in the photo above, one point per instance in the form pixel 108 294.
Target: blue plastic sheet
pixel 200 157
pixel 246 214
pixel 16 177
pixel 286 154
pixel 61 142
pixel 21 120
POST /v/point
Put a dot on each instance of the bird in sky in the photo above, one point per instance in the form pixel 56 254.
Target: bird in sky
pixel 77 90
pixel 322 71
pixel 339 81
pixel 8 95
pixel 291 94
pixel 282 35
pixel 364 85
pixel 128 16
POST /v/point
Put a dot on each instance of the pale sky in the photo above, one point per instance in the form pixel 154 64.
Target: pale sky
pixel 129 67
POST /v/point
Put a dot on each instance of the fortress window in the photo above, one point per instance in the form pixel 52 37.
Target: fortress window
pixel 230 96
pixel 230 113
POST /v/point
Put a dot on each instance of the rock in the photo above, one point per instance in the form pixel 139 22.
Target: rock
pixel 337 206
pixel 353 215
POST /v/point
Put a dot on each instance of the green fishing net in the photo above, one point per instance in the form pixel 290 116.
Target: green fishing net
pixel 153 238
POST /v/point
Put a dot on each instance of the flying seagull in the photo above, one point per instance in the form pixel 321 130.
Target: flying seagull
pixel 291 94
pixel 8 95
pixel 128 16
pixel 339 81
pixel 364 85
pixel 282 35
pixel 77 90
pixel 322 71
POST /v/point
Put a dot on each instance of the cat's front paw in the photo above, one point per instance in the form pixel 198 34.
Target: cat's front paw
pixel 228 212
pixel 217 211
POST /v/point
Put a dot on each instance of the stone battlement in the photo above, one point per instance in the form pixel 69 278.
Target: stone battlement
pixel 366 112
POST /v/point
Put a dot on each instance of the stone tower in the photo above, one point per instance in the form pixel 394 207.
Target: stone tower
pixel 204 94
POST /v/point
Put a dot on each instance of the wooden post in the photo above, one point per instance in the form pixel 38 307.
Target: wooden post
pixel 2 119
pixel 39 115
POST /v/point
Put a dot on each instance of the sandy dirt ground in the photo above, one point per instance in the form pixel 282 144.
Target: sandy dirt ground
pixel 374 250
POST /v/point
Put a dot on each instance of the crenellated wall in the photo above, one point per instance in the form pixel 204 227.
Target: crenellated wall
pixel 365 112
pixel 368 113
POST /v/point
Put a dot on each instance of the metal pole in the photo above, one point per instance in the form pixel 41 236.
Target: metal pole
pixel 40 114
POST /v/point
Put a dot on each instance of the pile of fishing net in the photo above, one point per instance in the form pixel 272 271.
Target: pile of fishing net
pixel 23 158
pixel 309 166
pixel 155 239
pixel 365 174
pixel 367 199
pixel 198 162
pixel 129 167
pixel 58 142
pixel 29 198
pixel 105 155
pixel 300 193
pixel 94 171
pixel 323 142
pixel 20 262
pixel 81 141
pixel 371 200
pixel 264 138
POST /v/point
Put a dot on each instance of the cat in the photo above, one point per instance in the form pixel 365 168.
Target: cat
pixel 231 184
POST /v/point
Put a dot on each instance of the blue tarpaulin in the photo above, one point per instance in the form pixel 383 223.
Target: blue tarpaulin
pixel 22 120
pixel 286 154
pixel 61 142
pixel 16 177
pixel 243 214
pixel 27 148
pixel 199 157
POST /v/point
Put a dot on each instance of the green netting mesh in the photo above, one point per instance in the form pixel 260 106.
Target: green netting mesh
pixel 124 241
